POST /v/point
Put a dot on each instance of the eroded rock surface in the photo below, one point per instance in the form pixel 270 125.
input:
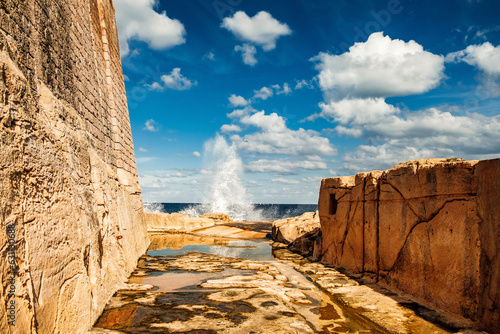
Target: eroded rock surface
pixel 69 192
pixel 175 222
pixel 390 310
pixel 218 217
pixel 424 227
pixel 289 229
pixel 198 292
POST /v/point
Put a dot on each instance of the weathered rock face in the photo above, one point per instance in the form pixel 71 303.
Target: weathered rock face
pixel 289 229
pixel 69 196
pixel 429 228
pixel 218 217
pixel 175 222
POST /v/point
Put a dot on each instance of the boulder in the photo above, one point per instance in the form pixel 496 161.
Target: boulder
pixel 308 245
pixel 288 229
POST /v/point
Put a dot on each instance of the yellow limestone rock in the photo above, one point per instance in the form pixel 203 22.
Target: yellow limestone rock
pixel 175 222
pixel 427 227
pixel 219 218
pixel 69 193
pixel 289 229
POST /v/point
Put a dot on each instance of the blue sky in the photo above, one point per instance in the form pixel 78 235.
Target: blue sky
pixel 306 90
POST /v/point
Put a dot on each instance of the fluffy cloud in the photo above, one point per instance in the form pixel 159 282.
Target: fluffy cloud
pixel 175 80
pixel 366 158
pixel 303 84
pixel 274 137
pixel 247 53
pixel 142 149
pixel 238 113
pixel 486 57
pixel 356 111
pixel 285 181
pixel 356 84
pixel 264 93
pixel 262 29
pixel 421 134
pixel 209 55
pixel 151 125
pixel 137 20
pixel 380 67
pixel 237 101
pixel 286 89
pixel 227 128
pixel 156 87
pixel 196 154
pixel 284 166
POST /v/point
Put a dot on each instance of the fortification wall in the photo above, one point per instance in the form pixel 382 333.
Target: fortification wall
pixel 70 205
pixel 430 228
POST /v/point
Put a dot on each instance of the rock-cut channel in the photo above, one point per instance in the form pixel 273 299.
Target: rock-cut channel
pixel 200 284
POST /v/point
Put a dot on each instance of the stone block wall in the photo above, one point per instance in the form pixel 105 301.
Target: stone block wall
pixel 72 47
pixel 71 217
pixel 430 228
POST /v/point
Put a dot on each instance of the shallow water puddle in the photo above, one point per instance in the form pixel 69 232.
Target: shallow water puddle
pixel 244 249
pixel 221 286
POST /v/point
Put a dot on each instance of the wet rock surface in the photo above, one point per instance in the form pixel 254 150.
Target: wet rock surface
pixel 237 286
pixel 203 292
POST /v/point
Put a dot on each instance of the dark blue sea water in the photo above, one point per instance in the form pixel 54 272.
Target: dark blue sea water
pixel 263 211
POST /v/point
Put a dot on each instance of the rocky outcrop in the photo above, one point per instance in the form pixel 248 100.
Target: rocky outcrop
pixel 308 245
pixel 218 217
pixel 429 228
pixel 69 196
pixel 175 222
pixel 289 229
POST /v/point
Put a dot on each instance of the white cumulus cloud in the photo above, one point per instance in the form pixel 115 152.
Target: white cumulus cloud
pixel 284 166
pixel 247 53
pixel 151 125
pixel 238 113
pixel 427 133
pixel 261 29
pixel 286 89
pixel 486 57
pixel 380 67
pixel 227 128
pixel 303 84
pixel 274 137
pixel 138 20
pixel 175 80
pixel 356 111
pixel 196 154
pixel 264 93
pixel 155 86
pixel 237 101
pixel 285 181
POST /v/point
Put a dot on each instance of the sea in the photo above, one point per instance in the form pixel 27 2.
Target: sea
pixel 225 192
pixel 255 212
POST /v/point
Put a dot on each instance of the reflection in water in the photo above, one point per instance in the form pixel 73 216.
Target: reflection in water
pixel 177 241
pixel 181 280
pixel 222 286
pixel 243 249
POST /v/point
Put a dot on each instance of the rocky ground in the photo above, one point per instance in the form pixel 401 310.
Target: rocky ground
pixel 197 292
pixel 201 284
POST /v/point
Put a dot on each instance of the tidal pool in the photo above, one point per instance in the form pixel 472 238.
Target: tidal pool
pixel 221 286
pixel 243 249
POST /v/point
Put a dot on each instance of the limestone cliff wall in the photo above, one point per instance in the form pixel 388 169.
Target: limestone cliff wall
pixel 430 228
pixel 71 218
